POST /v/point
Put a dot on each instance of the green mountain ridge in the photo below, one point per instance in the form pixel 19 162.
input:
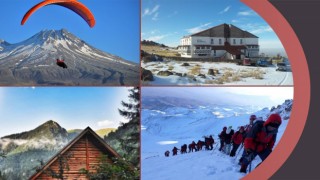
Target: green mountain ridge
pixel 49 130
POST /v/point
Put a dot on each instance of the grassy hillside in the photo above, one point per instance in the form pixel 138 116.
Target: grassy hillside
pixel 161 51
pixel 105 131
pixel 101 132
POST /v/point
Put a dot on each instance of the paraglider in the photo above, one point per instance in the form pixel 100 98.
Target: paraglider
pixel 73 5
pixel 60 62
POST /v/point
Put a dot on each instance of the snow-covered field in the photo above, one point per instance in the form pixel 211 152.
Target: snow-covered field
pixel 238 75
pixel 175 126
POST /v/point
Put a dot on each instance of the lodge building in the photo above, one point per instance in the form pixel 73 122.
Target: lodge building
pixel 224 41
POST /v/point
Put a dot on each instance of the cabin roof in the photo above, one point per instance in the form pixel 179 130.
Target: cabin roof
pixel 88 131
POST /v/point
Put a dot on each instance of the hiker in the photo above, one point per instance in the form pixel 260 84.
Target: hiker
pixel 209 142
pixel 251 121
pixel 222 136
pixel 167 153
pixel 260 140
pixel 227 140
pixel 175 151
pixel 192 146
pixel 236 140
pixel 247 128
pixel 183 149
pixel 199 145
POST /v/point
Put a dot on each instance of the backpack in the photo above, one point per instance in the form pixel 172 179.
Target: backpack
pixel 258 123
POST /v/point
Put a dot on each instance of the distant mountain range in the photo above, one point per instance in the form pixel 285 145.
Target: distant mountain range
pixel 33 62
pixel 24 151
pixel 152 43
pixel 101 132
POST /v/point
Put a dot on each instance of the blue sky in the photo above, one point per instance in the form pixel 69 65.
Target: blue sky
pixel 167 21
pixel 117 29
pixel 25 108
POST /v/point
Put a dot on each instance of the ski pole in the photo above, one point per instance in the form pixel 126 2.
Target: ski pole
pixel 214 148
pixel 251 159
pixel 239 151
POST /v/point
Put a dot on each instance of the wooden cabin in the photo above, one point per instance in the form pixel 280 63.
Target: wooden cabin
pixel 84 152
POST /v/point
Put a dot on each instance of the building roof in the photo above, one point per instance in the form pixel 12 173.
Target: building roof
pixel 87 132
pixel 225 30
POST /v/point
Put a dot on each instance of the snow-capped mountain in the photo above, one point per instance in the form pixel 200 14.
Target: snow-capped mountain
pixel 33 62
pixel 163 129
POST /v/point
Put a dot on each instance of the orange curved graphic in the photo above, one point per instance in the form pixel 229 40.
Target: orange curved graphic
pixel 302 90
pixel 73 5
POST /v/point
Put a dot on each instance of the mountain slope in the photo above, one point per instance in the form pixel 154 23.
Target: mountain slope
pixel 175 126
pixel 49 129
pixel 32 62
pixel 25 151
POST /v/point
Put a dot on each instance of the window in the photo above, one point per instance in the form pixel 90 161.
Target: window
pixel 234 41
pixel 241 42
pixel 220 42
pixel 212 42
pixel 214 53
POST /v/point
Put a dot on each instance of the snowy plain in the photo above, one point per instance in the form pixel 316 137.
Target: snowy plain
pixel 163 129
pixel 270 75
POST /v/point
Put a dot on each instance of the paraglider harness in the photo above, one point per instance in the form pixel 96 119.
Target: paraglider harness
pixel 61 63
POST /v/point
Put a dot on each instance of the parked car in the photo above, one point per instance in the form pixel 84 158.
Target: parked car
pixel 262 62
pixel 282 67
pixel 244 62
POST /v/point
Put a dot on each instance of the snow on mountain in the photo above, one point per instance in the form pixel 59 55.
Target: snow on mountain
pixel 163 129
pixel 33 62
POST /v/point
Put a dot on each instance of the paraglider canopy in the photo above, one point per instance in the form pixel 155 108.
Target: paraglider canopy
pixel 73 5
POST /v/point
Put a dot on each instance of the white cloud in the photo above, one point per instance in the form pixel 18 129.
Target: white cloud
pixel 225 10
pixel 246 13
pixel 257 28
pixel 108 123
pixel 261 29
pixel 155 17
pixel 148 12
pixel 198 28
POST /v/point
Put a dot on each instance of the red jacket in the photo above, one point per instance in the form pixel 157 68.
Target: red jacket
pixel 237 138
pixel 258 138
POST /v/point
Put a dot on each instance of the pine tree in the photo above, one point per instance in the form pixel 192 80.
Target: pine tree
pixel 131 111
pixel 126 138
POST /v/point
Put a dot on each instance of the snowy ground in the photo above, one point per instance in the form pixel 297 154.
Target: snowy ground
pixel 162 130
pixel 241 75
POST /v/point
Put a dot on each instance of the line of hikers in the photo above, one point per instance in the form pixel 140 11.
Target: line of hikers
pixel 208 143
pixel 257 138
